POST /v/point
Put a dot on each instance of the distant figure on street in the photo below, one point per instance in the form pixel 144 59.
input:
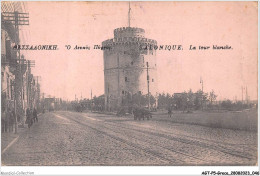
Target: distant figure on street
pixel 3 120
pixel 12 120
pixel 170 112
pixel 28 118
pixel 35 115
pixel 31 116
pixel 8 119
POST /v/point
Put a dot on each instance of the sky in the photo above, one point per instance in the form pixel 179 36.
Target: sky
pixel 65 73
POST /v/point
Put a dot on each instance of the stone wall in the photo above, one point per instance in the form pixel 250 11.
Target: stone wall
pixel 125 66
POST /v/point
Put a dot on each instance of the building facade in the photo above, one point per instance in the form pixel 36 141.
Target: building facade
pixel 19 88
pixel 129 66
pixel 8 66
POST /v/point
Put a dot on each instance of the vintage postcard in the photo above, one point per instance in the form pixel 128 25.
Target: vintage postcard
pixel 129 84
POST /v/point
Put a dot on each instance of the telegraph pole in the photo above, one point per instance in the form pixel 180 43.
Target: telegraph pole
pixel 91 101
pixel 246 96
pixel 17 19
pixel 30 64
pixel 201 81
pixel 148 86
pixel 129 15
pixel 242 94
pixel 38 92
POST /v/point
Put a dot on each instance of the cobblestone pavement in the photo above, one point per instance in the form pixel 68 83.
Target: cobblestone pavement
pixel 71 138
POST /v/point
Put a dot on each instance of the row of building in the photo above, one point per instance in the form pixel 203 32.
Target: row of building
pixel 20 89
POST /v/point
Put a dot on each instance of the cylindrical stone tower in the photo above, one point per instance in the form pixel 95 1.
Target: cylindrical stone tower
pixel 128 65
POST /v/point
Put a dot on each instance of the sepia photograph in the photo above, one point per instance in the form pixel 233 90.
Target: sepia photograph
pixel 129 83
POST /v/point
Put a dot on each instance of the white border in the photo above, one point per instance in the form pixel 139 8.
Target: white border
pixel 132 170
pixel 125 170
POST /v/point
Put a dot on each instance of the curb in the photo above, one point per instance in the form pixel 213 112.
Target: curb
pixel 14 140
pixel 9 145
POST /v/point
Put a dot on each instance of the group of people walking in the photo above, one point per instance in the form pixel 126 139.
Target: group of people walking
pixel 7 120
pixel 31 116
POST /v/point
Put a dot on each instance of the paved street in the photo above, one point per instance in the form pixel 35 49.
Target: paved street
pixel 72 138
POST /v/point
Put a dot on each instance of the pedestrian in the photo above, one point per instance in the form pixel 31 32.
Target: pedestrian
pixel 8 119
pixel 31 117
pixel 35 115
pixel 3 119
pixel 170 112
pixel 11 121
pixel 28 118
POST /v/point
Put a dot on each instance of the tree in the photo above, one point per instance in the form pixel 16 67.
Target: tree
pixel 190 100
pixel 198 99
pixel 177 100
pixel 162 100
pixel 226 104
pixel 212 97
pixel 184 101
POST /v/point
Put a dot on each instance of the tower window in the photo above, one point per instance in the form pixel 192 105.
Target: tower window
pixel 152 80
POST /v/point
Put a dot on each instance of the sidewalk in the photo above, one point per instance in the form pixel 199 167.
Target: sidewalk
pixel 8 138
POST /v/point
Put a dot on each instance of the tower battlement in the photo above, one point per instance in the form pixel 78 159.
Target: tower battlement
pixel 129 41
pixel 128 32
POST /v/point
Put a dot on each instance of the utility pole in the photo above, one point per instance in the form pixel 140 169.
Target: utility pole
pixel 38 91
pixel 38 94
pixel 17 19
pixel 118 84
pixel 242 95
pixel 148 82
pixel 30 64
pixel 201 81
pixel 43 102
pixel 202 101
pixel 91 101
pixel 246 96
pixel 129 15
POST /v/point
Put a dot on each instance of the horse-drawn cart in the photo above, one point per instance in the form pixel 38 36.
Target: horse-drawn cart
pixel 141 113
